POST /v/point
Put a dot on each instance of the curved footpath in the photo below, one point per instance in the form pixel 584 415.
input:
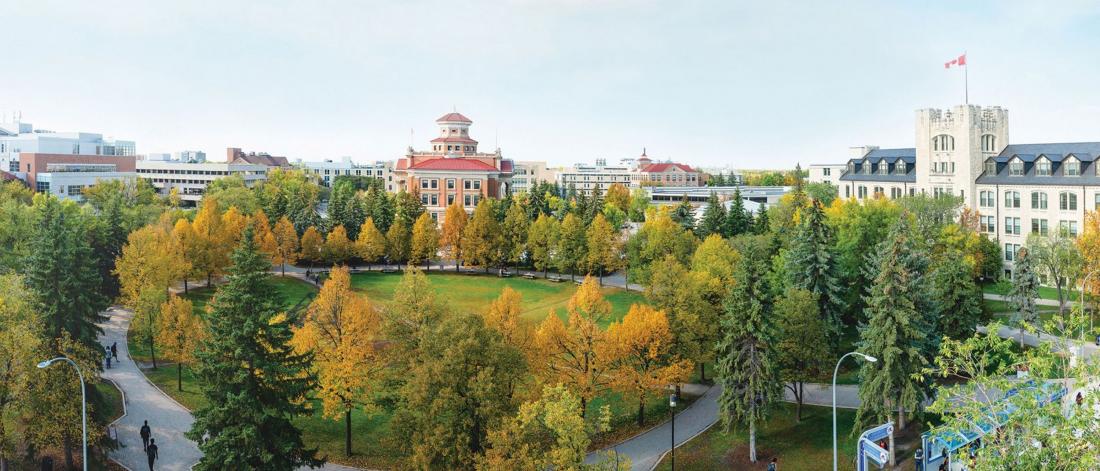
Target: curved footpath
pixel 143 401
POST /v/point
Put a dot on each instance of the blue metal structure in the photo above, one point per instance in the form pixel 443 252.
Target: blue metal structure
pixel 867 447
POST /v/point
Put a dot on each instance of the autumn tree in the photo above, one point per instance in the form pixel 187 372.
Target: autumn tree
pixel 801 355
pixel 151 261
pixel 481 237
pixel 371 244
pixel 398 245
pixel 343 332
pixel 542 242
pixel 513 237
pixel 619 196
pixel 425 241
pixel 603 247
pixel 311 245
pixel 212 254
pixel 179 332
pixel 575 353
pixel 658 237
pixel 338 248
pixel 413 310
pixel 572 245
pixel 454 225
pixel 286 243
pixel 190 247
pixel 643 359
pixel 21 342
pixel 233 222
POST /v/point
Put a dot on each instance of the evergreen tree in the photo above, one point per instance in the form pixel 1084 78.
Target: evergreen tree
pixel 252 379
pixel 811 265
pixel 714 218
pixel 407 207
pixel 379 207
pixel 747 367
pixel 895 334
pixel 761 225
pixel 739 220
pixel 61 269
pixel 958 299
pixel 684 214
pixel 1024 291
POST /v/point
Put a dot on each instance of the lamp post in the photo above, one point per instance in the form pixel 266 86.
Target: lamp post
pixel 835 370
pixel 672 410
pixel 83 402
pixel 1081 301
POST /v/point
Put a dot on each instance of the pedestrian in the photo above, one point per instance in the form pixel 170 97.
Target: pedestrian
pixel 107 356
pixel 114 350
pixel 773 465
pixel 151 452
pixel 108 361
pixel 145 432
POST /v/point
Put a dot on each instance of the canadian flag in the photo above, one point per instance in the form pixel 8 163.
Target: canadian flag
pixel 961 60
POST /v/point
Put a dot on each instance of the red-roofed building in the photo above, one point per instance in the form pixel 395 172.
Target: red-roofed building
pixel 648 173
pixel 453 170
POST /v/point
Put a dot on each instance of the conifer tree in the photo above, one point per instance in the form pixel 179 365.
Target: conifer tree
pixel 379 206
pixel 747 368
pixel 811 265
pixel 761 225
pixel 684 214
pixel 1024 291
pixel 714 218
pixel 957 298
pixel 738 220
pixel 253 381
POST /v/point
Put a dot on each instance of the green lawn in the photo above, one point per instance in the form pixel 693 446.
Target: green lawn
pixel 111 408
pixel 1045 292
pixel 799 446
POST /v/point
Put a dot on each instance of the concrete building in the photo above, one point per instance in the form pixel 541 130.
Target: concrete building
pixel 766 196
pixel 1017 189
pixel 453 170
pixel 191 178
pixel 67 175
pixel 327 170
pixel 527 173
pixel 586 178
pixel 638 172
pixel 196 156
pixel 17 137
pixel 825 173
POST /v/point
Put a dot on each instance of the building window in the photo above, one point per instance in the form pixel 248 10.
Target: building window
pixel 985 199
pixel 1067 201
pixel 991 167
pixel 943 142
pixel 825 171
pixel 450 199
pixel 1072 168
pixel 901 168
pixel 861 192
pixel 883 167
pixel 1012 199
pixel 1012 226
pixel 1016 168
pixel 987 224
pixel 1038 200
pixel 1010 251
pixel 878 191
pixel 851 167
pixel 989 143
pixel 1039 226
pixel 1096 201
pixel 895 193
pixel 1067 228
pixel 866 168
pixel 450 183
pixel 1042 168
pixel 848 194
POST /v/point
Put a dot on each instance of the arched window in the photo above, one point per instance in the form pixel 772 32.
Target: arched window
pixel 943 142
pixel 989 143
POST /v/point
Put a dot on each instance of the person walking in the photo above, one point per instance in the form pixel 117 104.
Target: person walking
pixel 773 465
pixel 151 452
pixel 145 433
pixel 114 351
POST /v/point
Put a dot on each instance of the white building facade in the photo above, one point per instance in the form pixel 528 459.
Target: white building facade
pixel 327 170
pixel 527 173
pixel 825 173
pixel 18 137
pixel 191 179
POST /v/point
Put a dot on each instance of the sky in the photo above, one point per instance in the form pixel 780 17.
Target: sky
pixel 734 84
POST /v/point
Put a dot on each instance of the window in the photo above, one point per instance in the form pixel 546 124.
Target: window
pixel 1067 201
pixel 471 184
pixel 943 142
pixel 1067 228
pixel 1072 168
pixel 1096 201
pixel 76 190
pixel 883 167
pixel 901 168
pixel 895 193
pixel 1012 199
pixel 848 194
pixel 851 167
pixel 861 192
pixel 1039 226
pixel 450 199
pixel 985 199
pixel 825 171
pixel 1010 251
pixel 866 168
pixel 1016 168
pixel 989 143
pixel 987 224
pixel 878 191
pixel 990 167
pixel 1042 168
pixel 1012 226
pixel 1038 200
pixel 450 183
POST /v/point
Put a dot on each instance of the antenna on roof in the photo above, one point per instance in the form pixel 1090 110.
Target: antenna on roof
pixel 412 132
pixel 454 108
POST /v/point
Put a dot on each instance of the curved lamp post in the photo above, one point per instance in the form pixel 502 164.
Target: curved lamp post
pixel 837 369
pixel 672 398
pixel 83 402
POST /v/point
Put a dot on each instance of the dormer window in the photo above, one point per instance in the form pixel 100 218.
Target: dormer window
pixel 866 168
pixel 851 167
pixel 1071 167
pixel 900 168
pixel 943 142
pixel 1042 167
pixel 883 168
pixel 1016 168
pixel 990 167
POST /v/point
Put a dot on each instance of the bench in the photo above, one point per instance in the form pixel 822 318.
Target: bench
pixel 529 276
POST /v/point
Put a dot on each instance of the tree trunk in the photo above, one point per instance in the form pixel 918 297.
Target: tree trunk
pixel 456 265
pixel 347 432
pixel 752 442
pixel 67 444
pixel 152 352
pixel 702 370
pixel 284 268
pixel 600 272
pixel 179 376
pixel 208 277
pixel 545 273
pixel 641 412
pixel 185 285
pixel 798 401
pixel 584 406
pixel 893 457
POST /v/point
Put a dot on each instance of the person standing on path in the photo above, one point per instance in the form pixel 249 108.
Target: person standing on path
pixel 151 452
pixel 114 351
pixel 145 432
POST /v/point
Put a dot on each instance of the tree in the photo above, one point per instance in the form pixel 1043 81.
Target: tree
pixel 618 196
pixel 179 332
pixel 21 342
pixel 286 243
pixel 1024 291
pixel 481 237
pixel 233 192
pixel 822 192
pixel 604 252
pixel 574 354
pixel 371 244
pixel 811 265
pixel 233 222
pixel 151 261
pixel 957 298
pixel 211 253
pixel 455 390
pixel 343 332
pixel 1056 255
pixel 714 218
pixel 639 203
pixel 337 249
pixel 645 363
pixel 265 238
pixel 398 244
pixel 312 245
pixel 413 311
pixel 454 225
pixel 503 316
pixel 858 226
pixel 747 367
pixel 738 219
pixel 513 235
pixel 407 207
pixel 895 334
pixel 572 245
pixel 542 242
pixel 253 381
pixel 802 356
pixel 425 240
pixel 658 237
pixel 684 214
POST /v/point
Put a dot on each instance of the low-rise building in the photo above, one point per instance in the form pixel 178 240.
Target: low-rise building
pixel 17 137
pixel 825 173
pixel 327 170
pixel 527 173
pixel 766 196
pixel 67 175
pixel 235 155
pixel 639 172
pixel 190 179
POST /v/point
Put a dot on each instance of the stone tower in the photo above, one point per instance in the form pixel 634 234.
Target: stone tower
pixel 953 144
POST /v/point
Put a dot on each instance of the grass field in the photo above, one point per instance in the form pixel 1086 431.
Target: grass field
pixel 1045 292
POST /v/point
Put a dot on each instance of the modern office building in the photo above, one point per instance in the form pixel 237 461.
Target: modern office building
pixel 527 173
pixel 587 178
pixel 197 156
pixel 453 169
pixel 190 179
pixel 67 175
pixel 17 137
pixel 327 170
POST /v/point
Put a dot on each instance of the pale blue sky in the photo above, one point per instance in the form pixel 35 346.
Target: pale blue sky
pixel 714 83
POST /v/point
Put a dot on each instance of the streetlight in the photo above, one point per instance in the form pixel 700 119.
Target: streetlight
pixel 83 402
pixel 837 369
pixel 672 410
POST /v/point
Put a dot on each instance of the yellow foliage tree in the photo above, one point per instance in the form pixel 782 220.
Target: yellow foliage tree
pixel 371 244
pixel 575 354
pixel 212 253
pixel 454 224
pixel 265 238
pixel 286 243
pixel 179 331
pixel 1088 243
pixel 425 240
pixel 338 248
pixel 234 222
pixel 342 331
pixel 311 245
pixel 604 248
pixel 190 248
pixel 641 346
pixel 150 262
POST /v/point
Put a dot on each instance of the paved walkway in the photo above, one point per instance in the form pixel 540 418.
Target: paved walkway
pixel 1039 302
pixel 168 419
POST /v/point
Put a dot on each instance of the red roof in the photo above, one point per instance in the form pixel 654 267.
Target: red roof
pixel 464 140
pixel 456 164
pixel 401 164
pixel 454 117
pixel 659 168
pixel 5 176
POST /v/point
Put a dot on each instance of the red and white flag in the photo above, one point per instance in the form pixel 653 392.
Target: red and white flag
pixel 960 61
